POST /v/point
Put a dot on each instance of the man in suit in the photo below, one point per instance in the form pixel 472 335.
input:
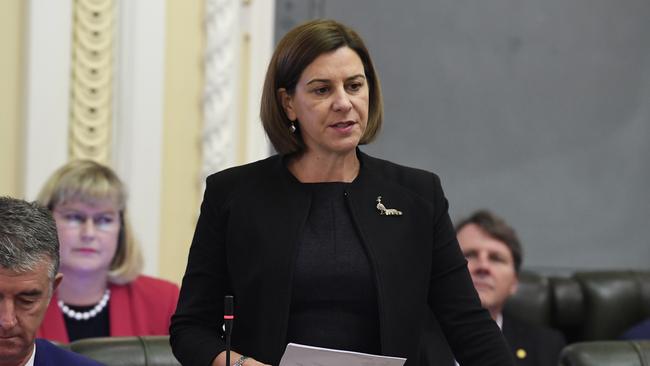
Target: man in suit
pixel 29 261
pixel 494 258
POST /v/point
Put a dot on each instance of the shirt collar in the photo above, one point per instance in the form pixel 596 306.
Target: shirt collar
pixel 30 362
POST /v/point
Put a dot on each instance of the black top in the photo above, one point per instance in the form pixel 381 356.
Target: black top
pixel 97 326
pixel 334 299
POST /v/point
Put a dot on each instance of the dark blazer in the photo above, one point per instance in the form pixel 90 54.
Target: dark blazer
pixel 532 345
pixel 48 354
pixel 245 244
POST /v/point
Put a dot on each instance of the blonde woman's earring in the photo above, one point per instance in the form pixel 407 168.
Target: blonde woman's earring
pixel 292 127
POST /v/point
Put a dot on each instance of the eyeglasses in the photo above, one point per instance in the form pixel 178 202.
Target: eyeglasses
pixel 105 221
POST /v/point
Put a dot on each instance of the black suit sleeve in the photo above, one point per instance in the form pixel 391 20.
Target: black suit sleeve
pixel 472 334
pixel 196 333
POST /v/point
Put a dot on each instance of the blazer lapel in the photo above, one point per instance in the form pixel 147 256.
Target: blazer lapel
pixel 393 244
pixel 267 221
pixel 391 239
pixel 120 314
pixel 518 342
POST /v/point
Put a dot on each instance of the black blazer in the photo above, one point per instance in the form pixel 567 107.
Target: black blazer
pixel 245 245
pixel 532 345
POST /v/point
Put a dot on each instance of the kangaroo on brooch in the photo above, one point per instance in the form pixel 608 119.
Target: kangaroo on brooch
pixel 386 211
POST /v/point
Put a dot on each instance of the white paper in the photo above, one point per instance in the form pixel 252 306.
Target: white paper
pixel 301 355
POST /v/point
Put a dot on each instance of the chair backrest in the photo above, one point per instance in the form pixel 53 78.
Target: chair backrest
pixel 533 300
pixel 594 305
pixel 613 302
pixel 607 353
pixel 127 351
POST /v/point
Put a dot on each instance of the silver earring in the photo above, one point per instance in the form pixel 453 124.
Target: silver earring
pixel 292 127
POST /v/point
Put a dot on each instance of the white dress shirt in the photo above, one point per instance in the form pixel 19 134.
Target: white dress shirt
pixel 30 362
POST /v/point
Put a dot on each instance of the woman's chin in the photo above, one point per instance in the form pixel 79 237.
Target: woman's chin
pixel 344 147
pixel 87 269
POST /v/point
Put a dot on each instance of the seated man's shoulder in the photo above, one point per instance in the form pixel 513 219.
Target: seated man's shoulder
pixel 49 354
pixel 639 331
pixel 533 344
pixel 524 327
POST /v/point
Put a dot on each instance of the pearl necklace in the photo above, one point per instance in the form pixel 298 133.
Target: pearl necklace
pixel 85 315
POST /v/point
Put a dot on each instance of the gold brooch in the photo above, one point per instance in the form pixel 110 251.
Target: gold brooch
pixel 386 211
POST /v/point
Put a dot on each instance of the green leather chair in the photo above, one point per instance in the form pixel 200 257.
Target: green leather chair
pixel 585 306
pixel 127 351
pixel 606 353
pixel 613 302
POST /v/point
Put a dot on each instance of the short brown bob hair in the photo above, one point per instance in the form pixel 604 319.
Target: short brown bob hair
pixel 295 51
pixel 88 181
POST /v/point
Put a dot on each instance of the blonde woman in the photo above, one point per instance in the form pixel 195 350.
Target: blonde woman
pixel 102 292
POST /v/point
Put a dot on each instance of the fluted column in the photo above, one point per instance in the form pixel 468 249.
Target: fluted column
pixel 92 80
pixel 220 95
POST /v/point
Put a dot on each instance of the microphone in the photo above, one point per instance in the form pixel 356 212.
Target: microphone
pixel 228 317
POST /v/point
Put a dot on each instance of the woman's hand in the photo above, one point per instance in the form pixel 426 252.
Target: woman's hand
pixel 220 360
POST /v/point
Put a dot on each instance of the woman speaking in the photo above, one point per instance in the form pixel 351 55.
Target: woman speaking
pixel 322 244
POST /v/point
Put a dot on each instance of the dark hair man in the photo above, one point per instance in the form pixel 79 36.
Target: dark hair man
pixel 494 257
pixel 29 261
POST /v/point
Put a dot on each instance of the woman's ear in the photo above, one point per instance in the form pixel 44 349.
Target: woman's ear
pixel 287 104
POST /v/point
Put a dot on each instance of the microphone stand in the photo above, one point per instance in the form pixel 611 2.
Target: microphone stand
pixel 228 318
